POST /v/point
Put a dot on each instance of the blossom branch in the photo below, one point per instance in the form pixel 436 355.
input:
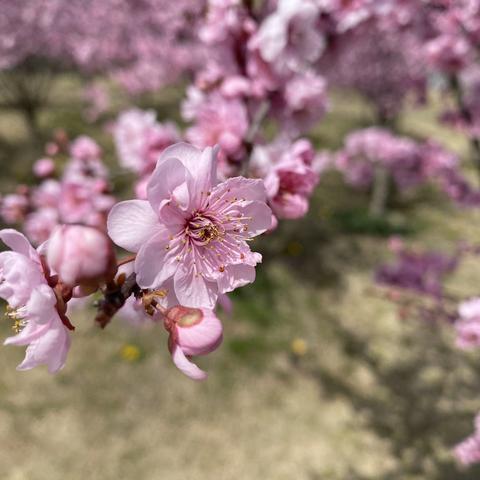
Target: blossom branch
pixel 115 296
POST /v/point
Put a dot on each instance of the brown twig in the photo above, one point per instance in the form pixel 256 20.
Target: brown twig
pixel 114 298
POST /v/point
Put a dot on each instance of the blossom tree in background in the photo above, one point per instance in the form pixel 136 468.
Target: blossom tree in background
pixel 142 45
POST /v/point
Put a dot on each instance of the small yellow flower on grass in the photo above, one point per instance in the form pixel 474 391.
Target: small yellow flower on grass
pixel 299 347
pixel 130 352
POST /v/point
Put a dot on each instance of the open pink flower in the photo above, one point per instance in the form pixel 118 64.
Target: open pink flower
pixel 289 37
pixel 191 229
pixel 32 305
pixel 288 175
pixel 193 331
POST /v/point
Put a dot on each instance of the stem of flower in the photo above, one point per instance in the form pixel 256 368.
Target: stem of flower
pixel 126 260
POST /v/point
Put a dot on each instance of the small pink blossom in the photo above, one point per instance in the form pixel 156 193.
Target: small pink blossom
pixel 306 102
pixel 193 331
pixel 13 208
pixel 85 148
pixel 98 101
pixel 289 37
pixel 191 229
pixel 32 305
pixel 44 167
pixel 288 175
pixel 39 225
pixel 448 53
pixel 468 451
pixel 140 139
pixel 47 194
pixel 468 325
pixel 219 120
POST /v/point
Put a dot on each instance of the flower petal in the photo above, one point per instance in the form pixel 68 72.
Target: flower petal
pixel 186 366
pixel 193 290
pixel 50 349
pixel 168 175
pixel 260 215
pixel 236 276
pixel 202 338
pixel 18 243
pixel 132 223
pixel 240 187
pixel 155 263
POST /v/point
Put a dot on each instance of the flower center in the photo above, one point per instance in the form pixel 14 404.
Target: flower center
pixel 15 314
pixel 203 230
pixel 184 316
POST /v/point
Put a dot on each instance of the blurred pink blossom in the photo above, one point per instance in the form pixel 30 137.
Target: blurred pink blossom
pixel 44 167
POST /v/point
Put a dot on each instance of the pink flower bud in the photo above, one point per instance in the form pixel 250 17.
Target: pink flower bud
pixel 193 331
pixel 44 167
pixel 81 255
pixel 51 148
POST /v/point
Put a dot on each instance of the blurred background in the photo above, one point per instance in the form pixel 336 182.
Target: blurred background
pixel 321 375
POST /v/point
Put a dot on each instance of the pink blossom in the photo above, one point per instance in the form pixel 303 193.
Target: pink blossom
pixel 81 255
pixel 468 451
pixel 51 148
pixel 192 229
pixel 236 86
pixel 448 53
pixel 39 225
pixel 306 102
pixel 364 149
pixel 32 305
pixel 84 203
pixel 225 18
pixel 193 331
pixel 44 167
pixel 288 175
pixel 47 194
pixel 219 120
pixel 85 148
pixel 140 139
pixel 13 208
pixel 289 37
pixel 468 325
pixel 129 134
pixel 98 100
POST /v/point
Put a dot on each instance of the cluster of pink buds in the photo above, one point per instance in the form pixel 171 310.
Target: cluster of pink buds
pixel 81 194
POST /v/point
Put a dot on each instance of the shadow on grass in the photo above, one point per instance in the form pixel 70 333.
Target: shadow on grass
pixel 414 405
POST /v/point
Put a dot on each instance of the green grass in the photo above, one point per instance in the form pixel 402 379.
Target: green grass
pixel 373 398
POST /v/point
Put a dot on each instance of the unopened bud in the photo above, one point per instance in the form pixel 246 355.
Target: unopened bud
pixel 81 255
pixel 198 330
